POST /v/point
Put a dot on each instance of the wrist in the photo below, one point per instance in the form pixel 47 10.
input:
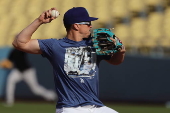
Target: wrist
pixel 39 21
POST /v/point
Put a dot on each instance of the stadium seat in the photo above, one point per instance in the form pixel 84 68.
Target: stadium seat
pixel 89 4
pixel 153 2
pixel 102 11
pixel 119 8
pixel 53 30
pixel 164 42
pixel 165 39
pixel 52 3
pixel 136 5
pixel 18 8
pixel 154 26
pixel 5 30
pixel 34 8
pixel 66 4
pixel 138 31
pixel 122 31
pixel 166 22
pixel 17 25
pixel 3 8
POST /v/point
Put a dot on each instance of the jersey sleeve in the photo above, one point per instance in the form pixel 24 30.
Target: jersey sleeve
pixel 46 46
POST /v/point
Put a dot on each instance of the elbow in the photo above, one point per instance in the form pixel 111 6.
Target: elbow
pixel 17 44
pixel 116 62
pixel 14 44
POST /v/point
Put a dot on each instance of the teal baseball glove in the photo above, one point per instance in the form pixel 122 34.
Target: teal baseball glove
pixel 102 42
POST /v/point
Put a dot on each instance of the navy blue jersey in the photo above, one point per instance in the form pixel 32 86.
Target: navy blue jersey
pixel 75 67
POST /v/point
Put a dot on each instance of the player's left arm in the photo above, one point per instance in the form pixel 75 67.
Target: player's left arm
pixel 118 57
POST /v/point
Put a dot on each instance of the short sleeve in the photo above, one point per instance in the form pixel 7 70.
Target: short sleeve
pixel 46 46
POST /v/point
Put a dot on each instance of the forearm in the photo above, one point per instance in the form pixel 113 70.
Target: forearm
pixel 117 58
pixel 25 35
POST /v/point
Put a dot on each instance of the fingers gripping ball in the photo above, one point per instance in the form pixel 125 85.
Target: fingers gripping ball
pixel 102 42
pixel 55 13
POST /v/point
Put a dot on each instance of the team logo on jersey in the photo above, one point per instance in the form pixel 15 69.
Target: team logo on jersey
pixel 80 62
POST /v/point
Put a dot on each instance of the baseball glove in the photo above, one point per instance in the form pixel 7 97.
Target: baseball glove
pixel 6 64
pixel 102 42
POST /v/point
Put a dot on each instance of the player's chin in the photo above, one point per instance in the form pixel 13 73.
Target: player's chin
pixel 88 36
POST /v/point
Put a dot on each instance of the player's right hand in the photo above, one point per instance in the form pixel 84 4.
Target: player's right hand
pixel 46 17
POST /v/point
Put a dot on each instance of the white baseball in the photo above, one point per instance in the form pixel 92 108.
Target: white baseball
pixel 54 13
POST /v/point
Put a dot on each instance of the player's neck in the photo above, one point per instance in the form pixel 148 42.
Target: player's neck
pixel 74 36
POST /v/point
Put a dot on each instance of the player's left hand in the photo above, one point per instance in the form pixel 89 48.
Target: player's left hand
pixel 122 49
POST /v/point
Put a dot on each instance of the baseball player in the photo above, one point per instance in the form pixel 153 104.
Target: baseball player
pixel 22 70
pixel 76 93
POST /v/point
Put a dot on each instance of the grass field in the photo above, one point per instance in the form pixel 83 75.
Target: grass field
pixel 38 107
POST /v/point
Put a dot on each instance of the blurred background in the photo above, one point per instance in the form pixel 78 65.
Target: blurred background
pixel 140 84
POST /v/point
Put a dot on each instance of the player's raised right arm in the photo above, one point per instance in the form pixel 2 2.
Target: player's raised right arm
pixel 23 40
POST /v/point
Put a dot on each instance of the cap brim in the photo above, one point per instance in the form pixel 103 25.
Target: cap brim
pixel 90 19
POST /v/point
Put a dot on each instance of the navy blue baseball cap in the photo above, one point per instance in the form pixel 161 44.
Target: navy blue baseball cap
pixel 76 15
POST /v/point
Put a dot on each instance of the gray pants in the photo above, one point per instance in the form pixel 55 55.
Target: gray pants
pixel 29 76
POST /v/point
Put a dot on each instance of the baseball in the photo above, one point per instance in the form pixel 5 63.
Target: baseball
pixel 54 13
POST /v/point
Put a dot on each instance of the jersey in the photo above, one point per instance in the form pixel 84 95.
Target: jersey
pixel 75 68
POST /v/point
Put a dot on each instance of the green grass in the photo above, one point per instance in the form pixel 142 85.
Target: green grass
pixel 28 107
pixel 129 108
pixel 38 107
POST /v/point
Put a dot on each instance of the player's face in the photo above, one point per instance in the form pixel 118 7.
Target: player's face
pixel 85 29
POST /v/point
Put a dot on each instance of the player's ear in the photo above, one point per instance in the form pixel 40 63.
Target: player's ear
pixel 75 26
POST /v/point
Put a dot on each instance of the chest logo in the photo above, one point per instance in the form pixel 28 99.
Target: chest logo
pixel 80 62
